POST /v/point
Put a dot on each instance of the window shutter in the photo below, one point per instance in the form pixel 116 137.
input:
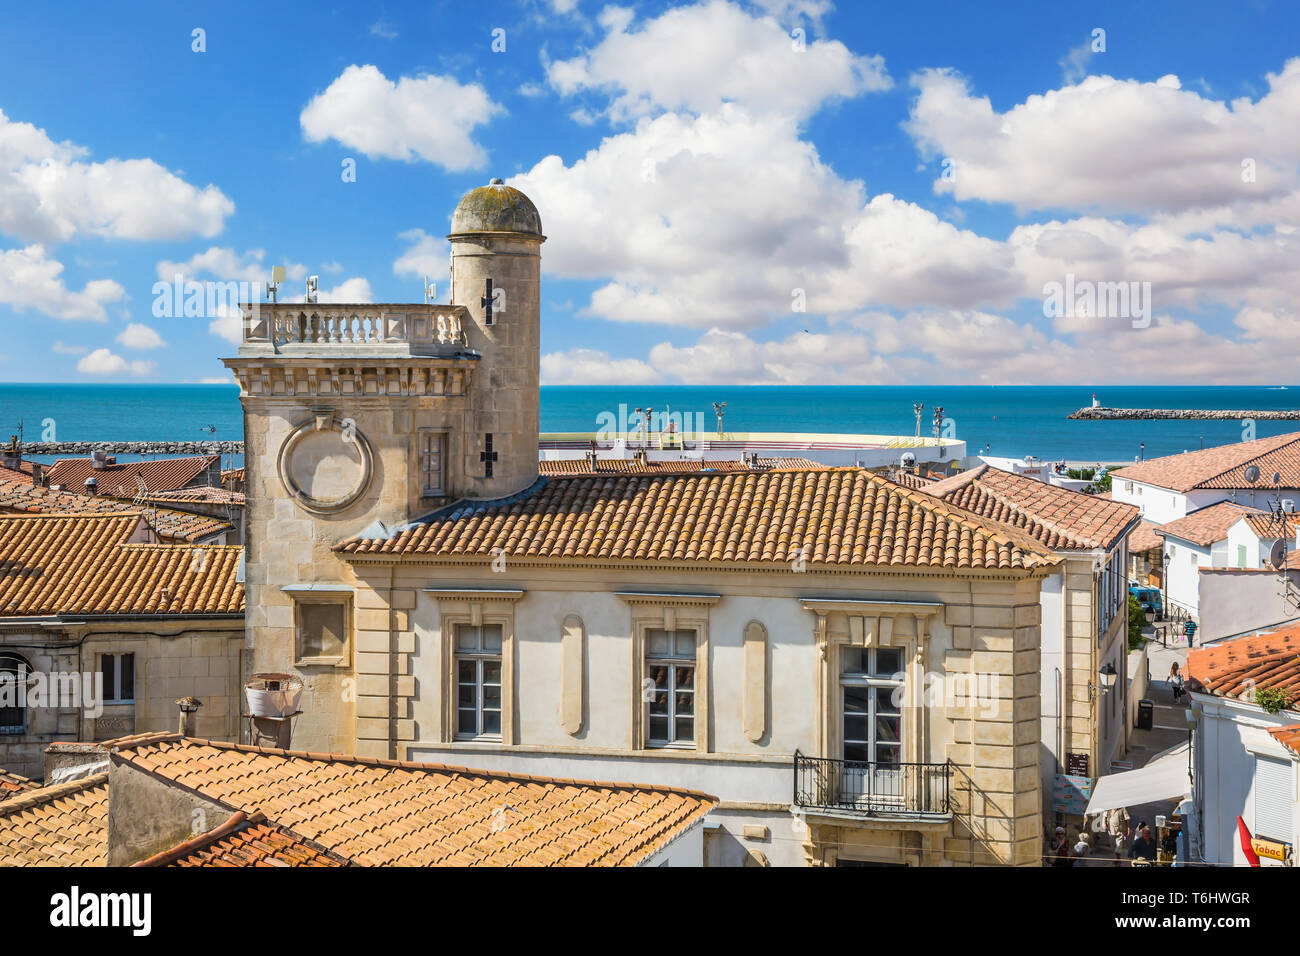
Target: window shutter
pixel 1273 800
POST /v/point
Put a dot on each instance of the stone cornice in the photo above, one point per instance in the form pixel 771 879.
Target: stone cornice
pixel 871 606
pixel 476 594
pixel 669 599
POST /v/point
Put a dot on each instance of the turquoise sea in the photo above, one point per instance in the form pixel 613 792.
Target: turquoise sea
pixel 1012 421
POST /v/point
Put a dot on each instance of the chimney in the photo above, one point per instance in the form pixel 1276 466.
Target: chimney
pixel 189 716
pixel 38 474
pixel 92 485
pixel 99 459
pixel 13 455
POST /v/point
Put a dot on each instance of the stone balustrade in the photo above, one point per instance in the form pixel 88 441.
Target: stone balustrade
pixel 354 325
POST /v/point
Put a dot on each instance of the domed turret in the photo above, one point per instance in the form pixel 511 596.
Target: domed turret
pixel 496 207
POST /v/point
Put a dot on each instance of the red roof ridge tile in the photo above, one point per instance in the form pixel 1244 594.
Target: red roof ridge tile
pixel 164 857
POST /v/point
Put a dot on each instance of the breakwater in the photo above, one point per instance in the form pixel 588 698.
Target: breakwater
pixel 134 447
pixel 1101 413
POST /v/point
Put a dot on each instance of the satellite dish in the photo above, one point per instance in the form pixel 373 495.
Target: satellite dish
pixel 1252 473
pixel 1277 478
pixel 1277 554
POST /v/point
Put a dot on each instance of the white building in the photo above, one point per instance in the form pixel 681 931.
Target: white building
pixel 1245 758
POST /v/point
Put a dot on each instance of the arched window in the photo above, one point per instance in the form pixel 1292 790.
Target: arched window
pixel 13 694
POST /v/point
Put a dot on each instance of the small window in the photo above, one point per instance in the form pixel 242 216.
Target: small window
pixel 1241 555
pixel 432 463
pixel 871 680
pixel 322 632
pixel 670 688
pixel 13 694
pixel 119 678
pixel 478 681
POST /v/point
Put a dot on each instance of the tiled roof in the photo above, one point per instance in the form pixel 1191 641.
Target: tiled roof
pixel 14 783
pixel 1264 525
pixel 62 825
pixel 913 480
pixel 1288 737
pixel 831 516
pixel 1144 538
pixel 388 813
pixel 171 524
pixel 245 841
pixel 83 564
pixel 1223 466
pixel 199 494
pixel 1234 668
pixel 13 474
pixel 1057 517
pixel 1208 525
pixel 162 474
pixel 631 466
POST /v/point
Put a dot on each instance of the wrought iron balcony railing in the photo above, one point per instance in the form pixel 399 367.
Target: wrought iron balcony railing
pixel 915 790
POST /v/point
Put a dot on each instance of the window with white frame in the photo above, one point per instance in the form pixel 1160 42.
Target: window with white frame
pixel 13 694
pixel 871 692
pixel 669 688
pixel 433 457
pixel 118 671
pixel 478 681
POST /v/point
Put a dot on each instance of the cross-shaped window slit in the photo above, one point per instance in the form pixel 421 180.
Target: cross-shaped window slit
pixel 487 455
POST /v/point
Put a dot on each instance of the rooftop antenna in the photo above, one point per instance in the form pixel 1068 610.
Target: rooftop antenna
pixel 313 286
pixel 430 291
pixel 273 287
pixel 719 409
pixel 918 408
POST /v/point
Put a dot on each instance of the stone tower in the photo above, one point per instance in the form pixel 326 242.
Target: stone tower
pixel 496 239
pixel 365 417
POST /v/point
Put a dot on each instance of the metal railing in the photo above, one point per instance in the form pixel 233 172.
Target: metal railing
pixel 873 789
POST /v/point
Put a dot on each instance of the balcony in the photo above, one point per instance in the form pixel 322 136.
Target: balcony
pixel 914 791
pixel 321 328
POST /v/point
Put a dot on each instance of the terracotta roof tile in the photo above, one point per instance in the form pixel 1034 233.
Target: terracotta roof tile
pixel 205 494
pixel 1223 466
pixel 85 564
pixel 380 812
pixel 1266 526
pixel 829 516
pixel 1234 668
pixel 170 523
pixel 1059 518
pixel 12 784
pixel 62 825
pixel 1288 737
pixel 163 474
pixel 1144 538
pixel 631 466
pixel 245 841
pixel 1208 525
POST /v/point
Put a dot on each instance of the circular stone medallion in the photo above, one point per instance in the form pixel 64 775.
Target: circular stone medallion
pixel 325 464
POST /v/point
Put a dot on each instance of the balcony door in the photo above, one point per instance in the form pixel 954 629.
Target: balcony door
pixel 871 714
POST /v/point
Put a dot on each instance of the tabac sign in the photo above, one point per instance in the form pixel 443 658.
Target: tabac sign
pixel 1271 849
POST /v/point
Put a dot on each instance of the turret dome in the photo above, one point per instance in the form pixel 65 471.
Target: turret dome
pixel 496 207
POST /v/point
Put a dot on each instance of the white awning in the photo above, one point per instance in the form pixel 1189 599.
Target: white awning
pixel 1164 778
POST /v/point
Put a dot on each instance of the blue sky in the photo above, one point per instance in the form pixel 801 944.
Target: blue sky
pixel 702 170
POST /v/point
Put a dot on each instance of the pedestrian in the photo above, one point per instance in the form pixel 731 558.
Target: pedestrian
pixel 1059 852
pixel 1175 680
pixel 1122 843
pixel 1144 848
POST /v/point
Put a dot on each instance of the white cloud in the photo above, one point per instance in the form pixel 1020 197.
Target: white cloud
pixel 105 362
pixel 691 231
pixel 383 29
pixel 425 255
pixel 60 349
pixel 29 279
pixel 1111 144
pixel 139 336
pixel 48 192
pixel 228 324
pixel 354 290
pixel 592 367
pixel 223 262
pixel 698 57
pixel 426 117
